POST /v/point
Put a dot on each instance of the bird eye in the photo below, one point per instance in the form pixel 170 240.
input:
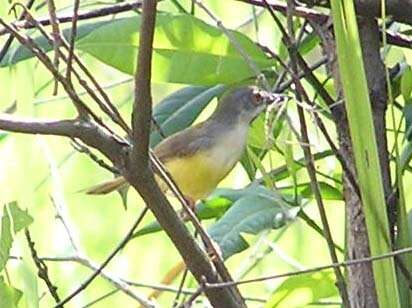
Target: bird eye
pixel 257 97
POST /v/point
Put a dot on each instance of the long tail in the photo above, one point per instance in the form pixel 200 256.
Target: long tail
pixel 106 187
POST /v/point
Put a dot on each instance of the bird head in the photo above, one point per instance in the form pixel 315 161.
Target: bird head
pixel 243 105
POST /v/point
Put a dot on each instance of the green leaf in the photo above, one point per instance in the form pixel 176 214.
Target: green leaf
pixel 3 135
pixel 216 204
pixel 406 84
pixel 5 239
pixel 20 220
pixel 328 192
pixel 9 296
pixel 407 112
pixel 406 154
pixel 185 50
pixel 308 44
pixel 19 53
pixel 302 290
pixel 179 110
pixel 250 214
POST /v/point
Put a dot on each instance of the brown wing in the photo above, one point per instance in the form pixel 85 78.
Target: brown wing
pixel 185 143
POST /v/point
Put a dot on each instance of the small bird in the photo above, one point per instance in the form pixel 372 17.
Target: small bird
pixel 199 157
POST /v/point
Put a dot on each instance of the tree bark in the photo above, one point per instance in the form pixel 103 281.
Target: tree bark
pixel 361 284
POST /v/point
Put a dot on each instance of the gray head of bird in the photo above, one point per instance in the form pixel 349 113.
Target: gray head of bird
pixel 242 105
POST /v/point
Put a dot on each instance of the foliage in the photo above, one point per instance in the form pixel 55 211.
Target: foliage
pixel 267 224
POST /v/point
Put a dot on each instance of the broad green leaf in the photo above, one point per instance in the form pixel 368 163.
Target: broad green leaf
pixel 19 53
pixel 19 219
pixel 406 84
pixel 251 214
pixel 185 50
pixel 179 110
pixel 302 290
pixel 9 296
pixel 216 204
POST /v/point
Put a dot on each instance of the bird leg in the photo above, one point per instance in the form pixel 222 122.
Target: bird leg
pixel 191 204
pixel 211 251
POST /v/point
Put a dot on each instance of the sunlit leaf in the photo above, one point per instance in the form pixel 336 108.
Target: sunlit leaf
pixel 19 220
pixel 185 50
pixel 406 84
pixel 9 296
pixel 302 290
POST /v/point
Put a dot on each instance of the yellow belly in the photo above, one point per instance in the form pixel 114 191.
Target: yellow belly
pixel 198 175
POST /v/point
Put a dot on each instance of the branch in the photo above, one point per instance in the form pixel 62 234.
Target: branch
pixel 318 17
pixel 89 133
pixel 142 108
pixel 42 268
pixel 10 39
pixel 106 11
pixel 141 177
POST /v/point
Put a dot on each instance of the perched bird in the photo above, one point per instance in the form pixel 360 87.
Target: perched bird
pixel 199 157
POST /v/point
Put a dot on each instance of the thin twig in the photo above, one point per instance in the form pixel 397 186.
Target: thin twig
pixel 41 268
pixel 10 39
pixel 72 37
pixel 106 11
pixel 85 150
pixel 97 272
pixel 89 133
pixel 121 284
pixel 301 93
pixel 343 264
pixel 107 106
pixel 249 61
pixel 394 38
pixel 82 109
pixel 56 37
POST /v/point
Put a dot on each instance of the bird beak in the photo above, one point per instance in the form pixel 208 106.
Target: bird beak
pixel 269 98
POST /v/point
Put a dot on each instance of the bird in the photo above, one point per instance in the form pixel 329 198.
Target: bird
pixel 200 156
